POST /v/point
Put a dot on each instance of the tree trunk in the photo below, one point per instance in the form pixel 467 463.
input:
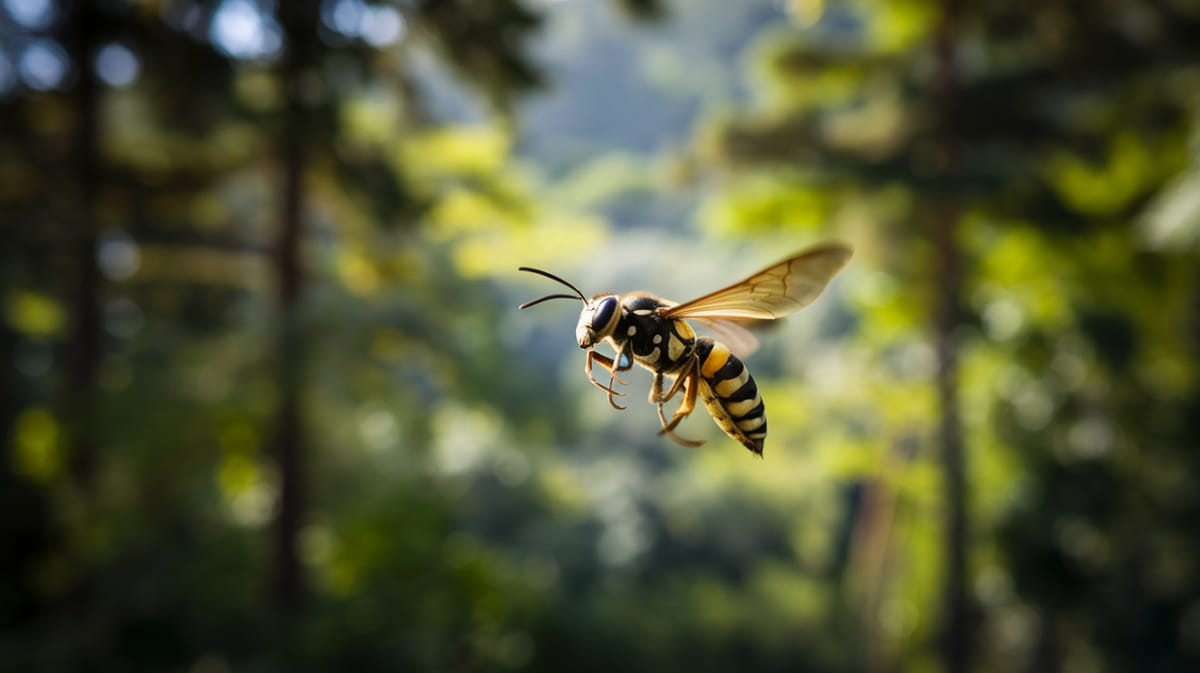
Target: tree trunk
pixel 83 345
pixel 299 21
pixel 956 630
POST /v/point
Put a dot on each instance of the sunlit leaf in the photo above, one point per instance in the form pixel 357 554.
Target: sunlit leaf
pixel 357 272
pixel 451 151
pixel 1109 187
pixel 37 444
pixel 34 314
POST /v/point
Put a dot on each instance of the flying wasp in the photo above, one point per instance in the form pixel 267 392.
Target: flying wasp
pixel 654 333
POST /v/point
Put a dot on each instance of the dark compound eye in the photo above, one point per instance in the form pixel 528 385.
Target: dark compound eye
pixel 604 312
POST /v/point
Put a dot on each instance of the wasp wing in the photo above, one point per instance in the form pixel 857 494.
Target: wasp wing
pixel 739 339
pixel 773 292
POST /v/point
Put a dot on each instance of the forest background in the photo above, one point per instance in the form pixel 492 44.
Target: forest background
pixel 268 405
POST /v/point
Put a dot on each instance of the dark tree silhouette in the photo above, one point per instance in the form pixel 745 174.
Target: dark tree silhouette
pixel 947 319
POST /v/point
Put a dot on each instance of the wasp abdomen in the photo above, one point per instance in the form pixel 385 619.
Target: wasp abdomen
pixel 731 395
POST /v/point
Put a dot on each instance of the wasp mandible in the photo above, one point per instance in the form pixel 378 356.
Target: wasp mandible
pixel 653 332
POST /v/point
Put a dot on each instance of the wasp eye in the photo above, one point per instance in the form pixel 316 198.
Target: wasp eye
pixel 604 312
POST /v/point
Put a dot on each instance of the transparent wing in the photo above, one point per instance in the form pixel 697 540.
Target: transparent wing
pixel 739 339
pixel 773 292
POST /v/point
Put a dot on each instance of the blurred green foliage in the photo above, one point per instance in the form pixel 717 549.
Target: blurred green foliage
pixel 469 502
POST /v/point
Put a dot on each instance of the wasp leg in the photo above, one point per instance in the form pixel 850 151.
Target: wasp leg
pixel 656 388
pixel 691 386
pixel 607 363
pixel 612 370
pixel 656 393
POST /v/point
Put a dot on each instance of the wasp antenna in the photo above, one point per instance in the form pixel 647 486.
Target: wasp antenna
pixel 547 274
pixel 549 296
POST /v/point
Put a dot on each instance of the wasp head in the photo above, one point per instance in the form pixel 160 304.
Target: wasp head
pixel 597 320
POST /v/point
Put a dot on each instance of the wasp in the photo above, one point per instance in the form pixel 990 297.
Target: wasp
pixel 654 333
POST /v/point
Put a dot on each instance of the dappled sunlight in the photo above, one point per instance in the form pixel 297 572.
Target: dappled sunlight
pixel 43 65
pixel 242 30
pixel 117 65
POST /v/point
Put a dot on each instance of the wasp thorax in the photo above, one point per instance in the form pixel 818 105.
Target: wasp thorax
pixel 596 321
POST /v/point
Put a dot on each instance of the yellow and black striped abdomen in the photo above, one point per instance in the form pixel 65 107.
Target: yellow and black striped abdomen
pixel 731 395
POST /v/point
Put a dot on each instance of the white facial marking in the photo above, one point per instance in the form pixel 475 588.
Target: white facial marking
pixel 657 338
pixel 675 348
pixel 632 330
